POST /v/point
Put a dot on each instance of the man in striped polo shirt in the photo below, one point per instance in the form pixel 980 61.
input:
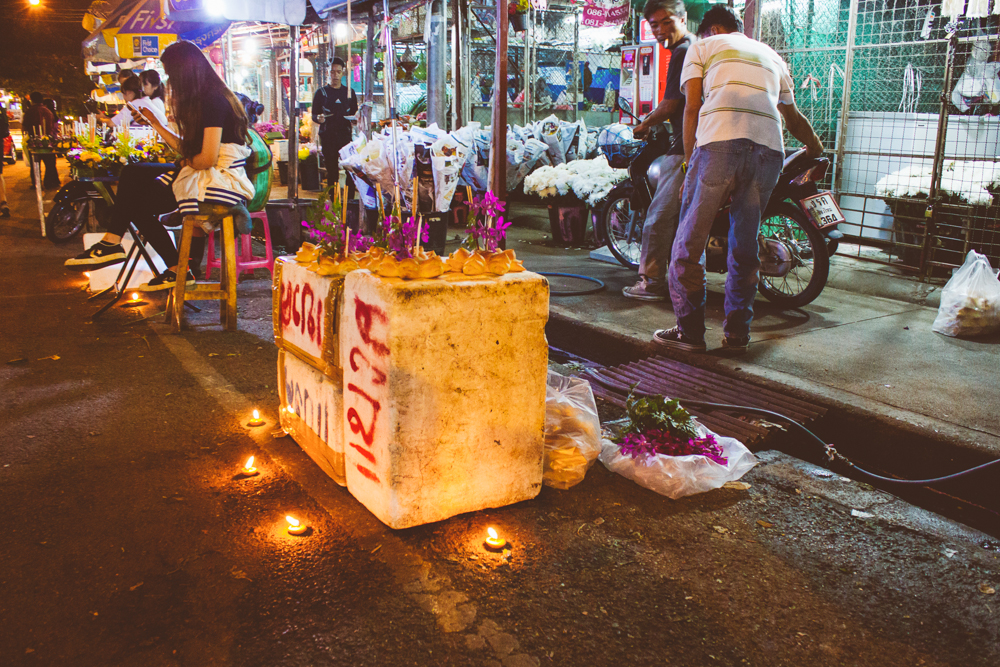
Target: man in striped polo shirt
pixel 737 91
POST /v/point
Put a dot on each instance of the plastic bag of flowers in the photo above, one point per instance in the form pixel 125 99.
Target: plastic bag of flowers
pixel 572 431
pixel 667 451
pixel 970 302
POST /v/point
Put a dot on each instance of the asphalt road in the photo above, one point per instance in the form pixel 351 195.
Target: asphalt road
pixel 129 538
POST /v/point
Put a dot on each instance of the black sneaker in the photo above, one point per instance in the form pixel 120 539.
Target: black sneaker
pixel 166 280
pixel 98 256
pixel 736 343
pixel 4 210
pixel 676 339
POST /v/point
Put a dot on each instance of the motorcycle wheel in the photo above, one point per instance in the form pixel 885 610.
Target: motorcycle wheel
pixel 788 225
pixel 622 227
pixel 68 217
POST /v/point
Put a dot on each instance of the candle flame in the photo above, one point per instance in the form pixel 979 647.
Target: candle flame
pixel 135 296
pixel 492 533
pixel 86 274
pixel 292 521
pixel 256 415
pixel 291 410
pixel 249 463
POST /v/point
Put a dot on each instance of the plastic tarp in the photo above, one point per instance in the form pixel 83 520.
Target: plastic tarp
pixel 285 12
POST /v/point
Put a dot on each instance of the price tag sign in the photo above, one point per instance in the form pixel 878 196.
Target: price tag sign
pixel 823 209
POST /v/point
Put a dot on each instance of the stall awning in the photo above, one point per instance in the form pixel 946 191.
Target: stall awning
pixel 139 29
pixel 99 46
pixel 146 31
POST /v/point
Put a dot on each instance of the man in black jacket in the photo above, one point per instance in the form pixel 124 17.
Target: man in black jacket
pixel 330 108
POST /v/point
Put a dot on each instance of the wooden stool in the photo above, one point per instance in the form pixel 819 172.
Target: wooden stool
pixel 225 290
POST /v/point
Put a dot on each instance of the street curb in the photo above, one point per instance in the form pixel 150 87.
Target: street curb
pixel 923 436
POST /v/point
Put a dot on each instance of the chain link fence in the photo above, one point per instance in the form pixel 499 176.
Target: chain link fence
pixel 914 165
pixel 555 67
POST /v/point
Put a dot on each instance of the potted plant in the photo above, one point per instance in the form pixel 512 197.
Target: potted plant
pixel 517 12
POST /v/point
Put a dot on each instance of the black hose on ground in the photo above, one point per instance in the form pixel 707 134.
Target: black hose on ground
pixel 592 290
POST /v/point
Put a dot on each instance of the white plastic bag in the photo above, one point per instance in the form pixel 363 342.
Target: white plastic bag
pixel 970 302
pixel 572 431
pixel 447 159
pixel 679 476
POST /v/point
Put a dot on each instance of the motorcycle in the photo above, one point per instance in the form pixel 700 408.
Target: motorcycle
pixel 798 228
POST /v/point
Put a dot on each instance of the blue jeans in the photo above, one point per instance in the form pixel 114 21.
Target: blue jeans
pixel 661 223
pixel 748 172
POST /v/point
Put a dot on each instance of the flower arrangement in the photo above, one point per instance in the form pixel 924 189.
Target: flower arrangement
pixel 486 228
pixel 401 237
pixel 588 180
pixel 307 150
pixel 658 425
pixel 518 7
pixel 326 227
pixel 270 130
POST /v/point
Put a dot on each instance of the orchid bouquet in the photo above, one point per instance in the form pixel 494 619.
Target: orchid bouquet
pixel 658 425
pixel 401 237
pixel 326 228
pixel 486 228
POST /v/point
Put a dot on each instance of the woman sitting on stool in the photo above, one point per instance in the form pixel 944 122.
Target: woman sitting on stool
pixel 212 140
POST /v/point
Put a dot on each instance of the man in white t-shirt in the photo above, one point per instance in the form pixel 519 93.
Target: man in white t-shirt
pixel 733 147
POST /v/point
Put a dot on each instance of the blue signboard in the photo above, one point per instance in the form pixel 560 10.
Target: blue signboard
pixel 149 45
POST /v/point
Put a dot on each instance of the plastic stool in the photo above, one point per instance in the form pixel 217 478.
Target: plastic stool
pixel 245 260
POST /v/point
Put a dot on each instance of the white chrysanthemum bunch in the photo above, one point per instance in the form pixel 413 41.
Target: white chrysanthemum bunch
pixel 589 180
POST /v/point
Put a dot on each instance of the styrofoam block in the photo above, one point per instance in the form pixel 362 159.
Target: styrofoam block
pixel 101 279
pixel 312 412
pixel 305 308
pixel 444 393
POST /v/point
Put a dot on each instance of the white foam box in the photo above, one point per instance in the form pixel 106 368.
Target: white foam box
pixel 312 412
pixel 444 393
pixel 101 279
pixel 305 313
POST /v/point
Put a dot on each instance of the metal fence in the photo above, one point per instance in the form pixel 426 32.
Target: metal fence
pixel 551 69
pixel 914 165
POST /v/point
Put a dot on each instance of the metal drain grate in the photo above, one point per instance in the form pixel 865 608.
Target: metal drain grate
pixel 659 375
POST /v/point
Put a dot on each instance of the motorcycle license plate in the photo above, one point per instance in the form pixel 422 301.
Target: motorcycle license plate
pixel 823 209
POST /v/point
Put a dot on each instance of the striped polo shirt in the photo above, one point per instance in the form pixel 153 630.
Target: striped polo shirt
pixel 743 81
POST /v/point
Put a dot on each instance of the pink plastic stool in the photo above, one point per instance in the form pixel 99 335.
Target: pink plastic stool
pixel 245 261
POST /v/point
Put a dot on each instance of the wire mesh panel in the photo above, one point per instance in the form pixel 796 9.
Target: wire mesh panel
pixel 915 175
pixel 483 52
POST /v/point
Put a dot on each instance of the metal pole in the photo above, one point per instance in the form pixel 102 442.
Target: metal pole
pixel 437 51
pixel 390 88
pixel 465 60
pixel 939 148
pixel 457 80
pixel 529 68
pixel 293 116
pixel 576 65
pixel 498 149
pixel 369 74
pixel 852 29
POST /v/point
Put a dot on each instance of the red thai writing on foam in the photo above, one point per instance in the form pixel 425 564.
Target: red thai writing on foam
pixel 302 309
pixel 366 382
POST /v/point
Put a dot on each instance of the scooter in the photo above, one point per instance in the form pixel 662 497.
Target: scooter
pixel 798 229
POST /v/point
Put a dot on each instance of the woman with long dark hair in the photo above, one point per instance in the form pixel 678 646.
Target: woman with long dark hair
pixel 153 89
pixel 212 141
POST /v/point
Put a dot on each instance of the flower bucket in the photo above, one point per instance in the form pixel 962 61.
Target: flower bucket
pixel 309 173
pixel 283 173
pixel 518 22
pixel 568 223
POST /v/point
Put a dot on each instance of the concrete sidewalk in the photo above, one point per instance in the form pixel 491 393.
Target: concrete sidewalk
pixel 864 346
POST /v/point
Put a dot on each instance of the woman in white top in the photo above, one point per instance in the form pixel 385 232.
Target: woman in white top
pixel 132 92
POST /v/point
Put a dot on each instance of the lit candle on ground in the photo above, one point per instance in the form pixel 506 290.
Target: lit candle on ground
pixel 256 420
pixel 295 527
pixel 494 542
pixel 135 297
pixel 86 274
pixel 248 468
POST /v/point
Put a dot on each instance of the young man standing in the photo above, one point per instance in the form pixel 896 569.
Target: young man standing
pixel 668 21
pixel 733 145
pixel 330 105
pixel 39 121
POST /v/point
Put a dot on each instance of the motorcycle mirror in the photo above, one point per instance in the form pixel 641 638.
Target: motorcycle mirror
pixel 623 104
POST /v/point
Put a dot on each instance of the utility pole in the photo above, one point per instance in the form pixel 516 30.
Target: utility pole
pixel 437 52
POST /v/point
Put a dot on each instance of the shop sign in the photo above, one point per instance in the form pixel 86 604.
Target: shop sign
pixel 599 13
pixel 146 45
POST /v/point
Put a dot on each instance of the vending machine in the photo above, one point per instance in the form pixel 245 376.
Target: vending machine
pixel 643 73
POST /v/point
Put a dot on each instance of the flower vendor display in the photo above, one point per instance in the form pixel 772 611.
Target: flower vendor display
pixel 271 131
pixel 517 12
pixel 665 450
pixel 588 180
pixel 395 361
